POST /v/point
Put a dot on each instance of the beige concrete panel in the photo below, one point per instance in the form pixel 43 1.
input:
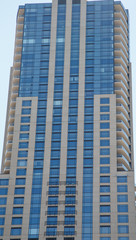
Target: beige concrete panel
pixel 80 135
pixel 49 114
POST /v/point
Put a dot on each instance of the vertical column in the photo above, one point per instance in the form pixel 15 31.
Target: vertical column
pixel 49 116
pixel 80 135
pixel 111 203
pixel 64 131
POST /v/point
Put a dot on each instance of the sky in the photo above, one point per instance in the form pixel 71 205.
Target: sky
pixel 8 12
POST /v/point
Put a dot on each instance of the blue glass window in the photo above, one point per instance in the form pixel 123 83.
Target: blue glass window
pixel 70 200
pixel 122 188
pixel 52 200
pixel 2 210
pixel 22 163
pixel 104 109
pixel 104 100
pixel 52 210
pixel 24 128
pixel 105 238
pixel 26 103
pixel 105 230
pixel 3 191
pixel 2 221
pixel 3 201
pixel 122 179
pixel 104 189
pixel 104 169
pixel 24 136
pixel 123 229
pixel 122 218
pixel 70 190
pixel 1 231
pixel 104 208
pixel 105 151
pixel 20 181
pixel 105 219
pixel 70 210
pixel 104 179
pixel 123 208
pixel 25 119
pixel 15 231
pixel 105 198
pixel 22 153
pixel 23 145
pixel 69 231
pixel 104 134
pixel 51 231
pixel 4 182
pixel 51 220
pixel 19 190
pixel 104 143
pixel 123 238
pixel 105 125
pixel 18 200
pixel 69 220
pixel 104 117
pixel 104 160
pixel 21 172
pixel 18 210
pixel 26 111
pixel 122 198
pixel 16 220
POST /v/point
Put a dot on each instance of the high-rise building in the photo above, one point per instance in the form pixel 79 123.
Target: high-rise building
pixel 68 169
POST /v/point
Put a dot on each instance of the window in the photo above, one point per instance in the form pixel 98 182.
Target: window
pixel 69 231
pixel 26 111
pixel 105 238
pixel 25 119
pixel 17 210
pixel 105 198
pixel 4 182
pixel 104 134
pixel 105 230
pixel 104 208
pixel 104 160
pixel 105 125
pixel 1 231
pixel 51 220
pixel 104 143
pixel 69 220
pixel 122 198
pixel 3 201
pixel 104 189
pixel 52 210
pixel 122 179
pixel 19 190
pixel 105 219
pixel 70 190
pixel 21 172
pixel 23 145
pixel 104 109
pixel 2 221
pixel 52 200
pixel 2 210
pixel 15 231
pixel 70 210
pixel 122 208
pixel 123 229
pixel 26 103
pixel 122 218
pixel 104 169
pixel 16 220
pixel 3 191
pixel 20 181
pixel 24 136
pixel 104 100
pixel 24 128
pixel 104 117
pixel 105 151
pixel 104 179
pixel 122 188
pixel 22 163
pixel 22 153
pixel 51 231
pixel 18 200
pixel 70 200
pixel 123 238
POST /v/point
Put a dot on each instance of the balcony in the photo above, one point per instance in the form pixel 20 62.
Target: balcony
pixel 119 44
pixel 122 160
pixel 119 29
pixel 119 84
pixel 121 167
pixel 121 108
pixel 119 22
pixel 122 98
pixel 7 169
pixel 123 142
pixel 120 61
pixel 120 76
pixel 122 133
pixel 122 151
